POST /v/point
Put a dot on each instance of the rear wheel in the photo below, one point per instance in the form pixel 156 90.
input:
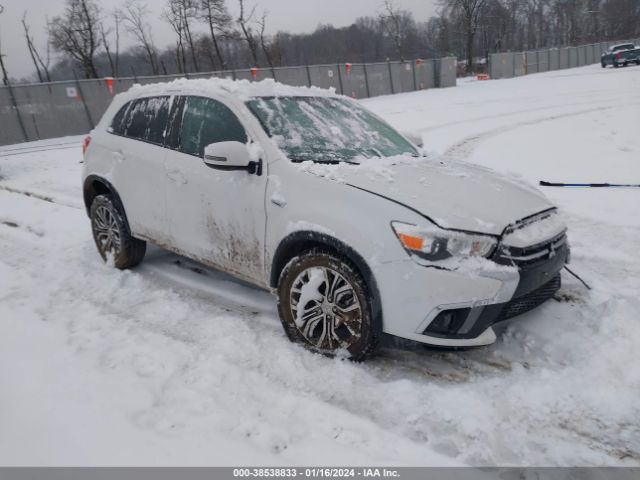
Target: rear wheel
pixel 112 236
pixel 324 305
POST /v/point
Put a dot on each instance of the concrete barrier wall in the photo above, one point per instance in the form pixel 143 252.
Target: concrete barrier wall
pixel 41 111
pixel 515 64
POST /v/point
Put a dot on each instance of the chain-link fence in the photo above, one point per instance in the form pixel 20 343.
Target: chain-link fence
pixel 515 64
pixel 49 110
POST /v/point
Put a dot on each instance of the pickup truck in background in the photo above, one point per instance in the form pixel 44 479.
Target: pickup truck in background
pixel 622 54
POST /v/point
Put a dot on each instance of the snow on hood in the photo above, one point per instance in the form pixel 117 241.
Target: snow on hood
pixel 241 89
pixel 454 195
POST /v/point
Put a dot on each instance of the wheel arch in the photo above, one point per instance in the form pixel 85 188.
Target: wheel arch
pixel 95 185
pixel 299 242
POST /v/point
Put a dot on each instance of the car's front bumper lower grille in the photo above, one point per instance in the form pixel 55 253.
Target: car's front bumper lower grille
pixel 521 305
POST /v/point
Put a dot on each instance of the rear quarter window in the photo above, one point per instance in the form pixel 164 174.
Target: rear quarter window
pixel 143 119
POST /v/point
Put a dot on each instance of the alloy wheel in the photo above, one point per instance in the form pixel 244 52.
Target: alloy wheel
pixel 106 231
pixel 326 309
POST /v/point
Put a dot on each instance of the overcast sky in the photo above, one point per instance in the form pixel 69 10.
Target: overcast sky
pixel 293 15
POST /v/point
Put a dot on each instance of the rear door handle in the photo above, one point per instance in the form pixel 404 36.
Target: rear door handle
pixel 177 177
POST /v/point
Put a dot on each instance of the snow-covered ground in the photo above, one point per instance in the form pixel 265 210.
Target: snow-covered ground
pixel 176 364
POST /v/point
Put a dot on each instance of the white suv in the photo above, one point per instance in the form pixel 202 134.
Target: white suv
pixel 308 194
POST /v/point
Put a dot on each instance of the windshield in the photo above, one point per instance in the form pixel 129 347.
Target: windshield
pixel 328 130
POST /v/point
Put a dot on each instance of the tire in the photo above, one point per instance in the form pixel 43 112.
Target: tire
pixel 603 65
pixel 615 65
pixel 112 236
pixel 335 324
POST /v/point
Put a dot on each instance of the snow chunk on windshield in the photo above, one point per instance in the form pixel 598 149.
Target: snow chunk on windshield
pixel 327 129
pixel 373 168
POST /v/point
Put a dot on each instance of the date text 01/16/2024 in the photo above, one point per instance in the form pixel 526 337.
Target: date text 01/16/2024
pixel 315 473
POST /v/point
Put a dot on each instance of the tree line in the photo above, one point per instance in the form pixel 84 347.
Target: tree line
pixel 207 37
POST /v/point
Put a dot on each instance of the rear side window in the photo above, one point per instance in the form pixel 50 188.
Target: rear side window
pixel 206 121
pixel 143 119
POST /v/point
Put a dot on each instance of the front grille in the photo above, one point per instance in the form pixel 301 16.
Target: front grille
pixel 518 306
pixel 528 256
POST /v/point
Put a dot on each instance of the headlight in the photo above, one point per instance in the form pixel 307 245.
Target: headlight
pixel 435 244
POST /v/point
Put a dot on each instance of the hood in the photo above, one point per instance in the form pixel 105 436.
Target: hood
pixel 454 195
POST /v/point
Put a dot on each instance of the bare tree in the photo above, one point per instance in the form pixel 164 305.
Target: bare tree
pixel 173 15
pixel 46 63
pixel 31 47
pixel 181 14
pixel 42 68
pixel 190 14
pixel 469 13
pixel 266 48
pixel 76 33
pixel 396 23
pixel 245 21
pixel 105 32
pixel 134 16
pixel 5 76
pixel 215 13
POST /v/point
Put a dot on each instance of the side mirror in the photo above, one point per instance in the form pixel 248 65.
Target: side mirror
pixel 230 156
pixel 415 138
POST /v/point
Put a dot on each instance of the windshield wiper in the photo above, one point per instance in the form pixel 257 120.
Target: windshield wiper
pixel 328 162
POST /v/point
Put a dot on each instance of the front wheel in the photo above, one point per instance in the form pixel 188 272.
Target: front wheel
pixel 603 65
pixel 112 236
pixel 324 305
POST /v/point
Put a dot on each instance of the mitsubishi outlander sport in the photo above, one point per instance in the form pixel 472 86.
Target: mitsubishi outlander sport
pixel 309 195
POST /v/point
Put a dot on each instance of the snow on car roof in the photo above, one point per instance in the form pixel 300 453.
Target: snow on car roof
pixel 622 45
pixel 240 89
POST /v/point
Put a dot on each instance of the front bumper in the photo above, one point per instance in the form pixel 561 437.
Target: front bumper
pixel 472 305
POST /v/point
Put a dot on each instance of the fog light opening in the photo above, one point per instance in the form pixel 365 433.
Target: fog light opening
pixel 448 322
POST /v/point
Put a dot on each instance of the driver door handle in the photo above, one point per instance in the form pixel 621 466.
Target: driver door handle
pixel 176 176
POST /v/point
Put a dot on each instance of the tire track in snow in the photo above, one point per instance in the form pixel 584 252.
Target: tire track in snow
pixel 516 113
pixel 38 196
pixel 463 149
pixel 27 148
pixel 10 153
